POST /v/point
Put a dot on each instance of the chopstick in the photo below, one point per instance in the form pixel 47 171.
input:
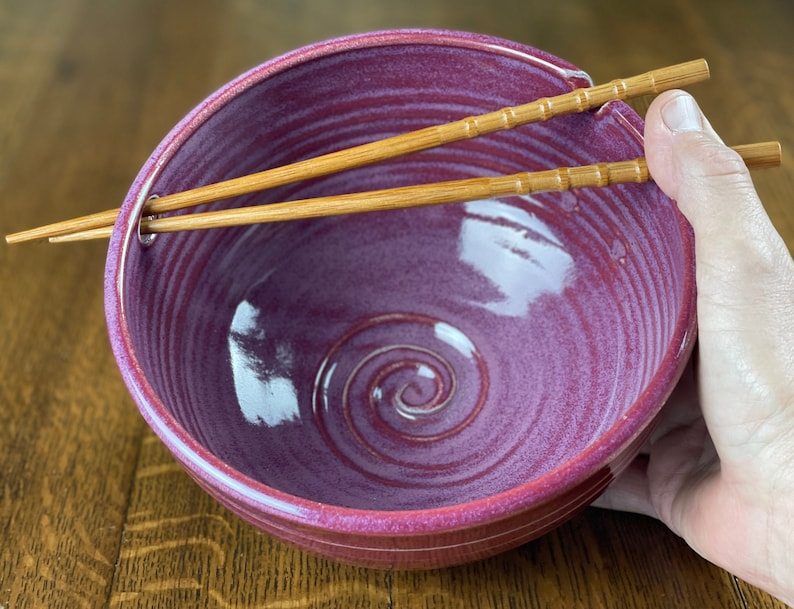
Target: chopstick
pixel 755 156
pixel 579 100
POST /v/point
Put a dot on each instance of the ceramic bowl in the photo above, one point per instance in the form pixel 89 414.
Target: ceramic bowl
pixel 413 388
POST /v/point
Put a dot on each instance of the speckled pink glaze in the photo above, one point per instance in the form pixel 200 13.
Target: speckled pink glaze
pixel 414 388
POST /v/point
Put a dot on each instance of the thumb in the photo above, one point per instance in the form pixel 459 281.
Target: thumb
pixel 745 274
pixel 713 189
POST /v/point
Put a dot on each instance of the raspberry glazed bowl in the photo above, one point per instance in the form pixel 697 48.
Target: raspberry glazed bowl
pixel 419 387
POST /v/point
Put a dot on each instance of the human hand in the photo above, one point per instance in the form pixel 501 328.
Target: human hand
pixel 719 469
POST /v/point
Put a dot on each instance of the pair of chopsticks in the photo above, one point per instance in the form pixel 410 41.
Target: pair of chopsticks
pixel 601 174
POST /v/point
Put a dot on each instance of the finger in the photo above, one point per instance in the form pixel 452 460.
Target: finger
pixel 682 409
pixel 630 492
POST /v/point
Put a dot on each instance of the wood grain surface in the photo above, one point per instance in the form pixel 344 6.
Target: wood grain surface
pixel 93 510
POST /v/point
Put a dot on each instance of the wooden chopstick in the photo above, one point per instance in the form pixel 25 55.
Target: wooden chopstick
pixel 579 100
pixel 755 156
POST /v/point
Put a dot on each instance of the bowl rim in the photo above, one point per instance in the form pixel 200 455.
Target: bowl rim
pixel 260 497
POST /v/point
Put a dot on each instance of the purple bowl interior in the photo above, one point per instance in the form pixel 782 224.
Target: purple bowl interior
pixel 416 358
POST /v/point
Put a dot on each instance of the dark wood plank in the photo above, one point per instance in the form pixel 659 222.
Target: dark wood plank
pixel 68 446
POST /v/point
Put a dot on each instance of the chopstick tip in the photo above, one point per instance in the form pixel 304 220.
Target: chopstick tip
pixel 18 237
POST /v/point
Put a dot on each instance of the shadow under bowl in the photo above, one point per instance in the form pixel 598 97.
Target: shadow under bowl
pixel 412 388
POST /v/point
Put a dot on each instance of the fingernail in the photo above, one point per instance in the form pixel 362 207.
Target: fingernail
pixel 682 114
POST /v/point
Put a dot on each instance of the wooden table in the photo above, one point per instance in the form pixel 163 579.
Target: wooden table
pixel 93 510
